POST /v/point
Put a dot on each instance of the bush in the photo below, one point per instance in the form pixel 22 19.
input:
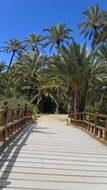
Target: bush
pixel 13 102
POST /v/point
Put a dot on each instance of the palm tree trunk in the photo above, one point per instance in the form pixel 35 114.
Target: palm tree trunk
pixel 79 102
pixel 58 100
pixel 101 99
pixel 82 105
pixel 35 49
pixel 70 106
pixel 11 61
pixel 75 101
pixel 58 90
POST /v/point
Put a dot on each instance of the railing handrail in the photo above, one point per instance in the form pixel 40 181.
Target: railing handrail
pixel 95 123
pixel 91 113
pixel 12 120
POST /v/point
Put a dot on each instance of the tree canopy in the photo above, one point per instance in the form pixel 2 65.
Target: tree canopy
pixel 71 79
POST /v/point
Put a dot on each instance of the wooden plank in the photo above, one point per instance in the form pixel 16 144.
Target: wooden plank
pixel 53 156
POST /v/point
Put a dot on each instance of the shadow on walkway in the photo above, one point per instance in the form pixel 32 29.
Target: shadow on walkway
pixel 15 146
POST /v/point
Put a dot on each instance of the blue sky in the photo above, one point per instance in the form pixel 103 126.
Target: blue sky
pixel 18 18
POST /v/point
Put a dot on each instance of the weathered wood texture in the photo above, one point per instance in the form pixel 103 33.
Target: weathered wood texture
pixel 53 156
pixel 12 120
pixel 94 123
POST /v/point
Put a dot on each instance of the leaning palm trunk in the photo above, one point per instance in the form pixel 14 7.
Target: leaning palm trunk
pixel 11 61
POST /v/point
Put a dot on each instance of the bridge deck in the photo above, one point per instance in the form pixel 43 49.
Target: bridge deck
pixel 52 156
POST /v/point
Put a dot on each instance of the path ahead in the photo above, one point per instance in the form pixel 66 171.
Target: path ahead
pixel 53 156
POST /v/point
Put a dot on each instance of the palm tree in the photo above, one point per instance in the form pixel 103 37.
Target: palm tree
pixel 3 81
pixel 74 67
pixel 52 85
pixel 25 72
pixel 101 55
pixel 14 46
pixel 92 24
pixel 102 38
pixel 33 41
pixel 57 34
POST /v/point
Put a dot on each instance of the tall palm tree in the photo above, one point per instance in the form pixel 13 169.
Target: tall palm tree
pixel 57 34
pixel 14 46
pixel 102 38
pixel 33 41
pixel 92 24
pixel 25 72
pixel 74 67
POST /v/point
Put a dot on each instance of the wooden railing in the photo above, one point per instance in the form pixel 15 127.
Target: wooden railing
pixel 94 123
pixel 12 121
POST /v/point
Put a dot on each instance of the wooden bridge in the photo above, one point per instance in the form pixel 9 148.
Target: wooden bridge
pixel 51 155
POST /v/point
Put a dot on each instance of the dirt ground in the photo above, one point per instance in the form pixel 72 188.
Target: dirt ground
pixel 61 117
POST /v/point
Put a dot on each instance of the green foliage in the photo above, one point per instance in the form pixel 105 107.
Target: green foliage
pixel 14 46
pixel 13 102
pixel 64 104
pixel 57 34
pixel 91 27
pixel 33 42
pixel 72 75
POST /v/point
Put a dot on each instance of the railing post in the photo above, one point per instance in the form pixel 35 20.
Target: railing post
pixel 4 118
pixel 96 119
pixel 5 107
pixel 96 123
pixel 10 119
pixel 91 122
pixel 100 133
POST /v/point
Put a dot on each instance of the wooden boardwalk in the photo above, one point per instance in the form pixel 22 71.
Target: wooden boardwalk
pixel 53 156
